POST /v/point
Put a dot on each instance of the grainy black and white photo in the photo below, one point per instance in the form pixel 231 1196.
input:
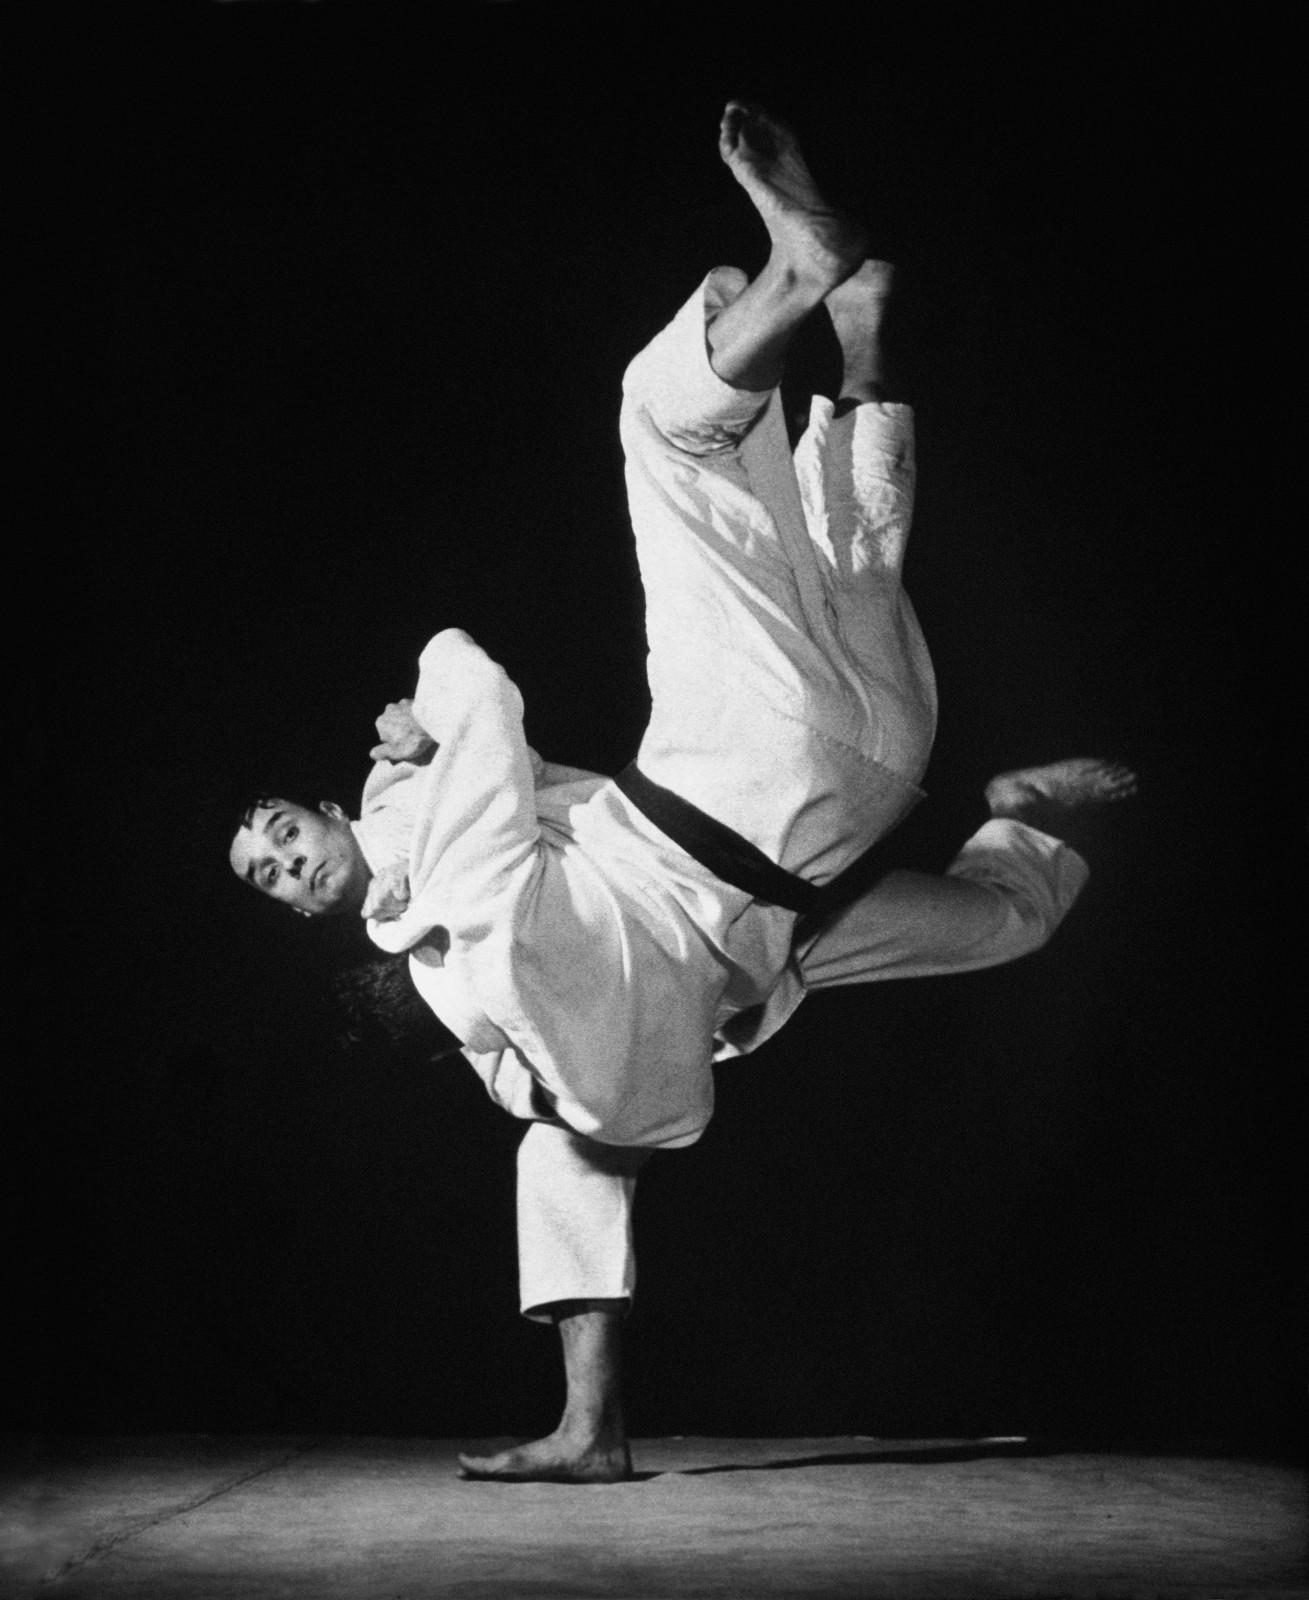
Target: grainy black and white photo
pixel 651 775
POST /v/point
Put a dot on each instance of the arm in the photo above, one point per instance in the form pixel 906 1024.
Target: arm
pixel 473 845
pixel 480 822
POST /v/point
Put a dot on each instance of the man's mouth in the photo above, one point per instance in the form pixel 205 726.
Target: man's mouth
pixel 316 877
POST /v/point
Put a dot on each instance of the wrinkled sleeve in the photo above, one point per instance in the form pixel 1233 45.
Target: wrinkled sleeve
pixel 475 839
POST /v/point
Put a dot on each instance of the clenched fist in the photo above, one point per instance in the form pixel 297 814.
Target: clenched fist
pixel 402 738
pixel 388 895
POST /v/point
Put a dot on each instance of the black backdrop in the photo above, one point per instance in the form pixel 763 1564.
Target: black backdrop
pixel 341 304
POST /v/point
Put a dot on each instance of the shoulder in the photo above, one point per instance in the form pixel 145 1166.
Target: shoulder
pixel 452 646
pixel 453 666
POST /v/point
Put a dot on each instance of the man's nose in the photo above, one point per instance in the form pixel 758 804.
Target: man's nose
pixel 295 866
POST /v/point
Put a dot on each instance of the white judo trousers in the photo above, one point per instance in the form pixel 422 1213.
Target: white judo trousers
pixel 792 699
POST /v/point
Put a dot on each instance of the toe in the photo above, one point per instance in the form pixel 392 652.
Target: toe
pixel 735 116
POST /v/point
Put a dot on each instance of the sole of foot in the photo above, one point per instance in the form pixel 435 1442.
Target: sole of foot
pixel 1060 786
pixel 816 242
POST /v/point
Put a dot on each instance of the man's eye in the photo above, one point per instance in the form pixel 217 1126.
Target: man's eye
pixel 270 877
pixel 292 831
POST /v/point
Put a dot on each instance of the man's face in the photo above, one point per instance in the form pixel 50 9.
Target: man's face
pixel 309 860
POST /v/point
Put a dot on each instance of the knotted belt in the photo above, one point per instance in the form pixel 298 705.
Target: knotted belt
pixel 736 861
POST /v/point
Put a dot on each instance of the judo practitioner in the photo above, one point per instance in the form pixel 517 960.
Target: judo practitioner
pixel 596 944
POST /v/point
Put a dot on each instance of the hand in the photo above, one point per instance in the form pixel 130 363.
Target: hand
pixel 388 895
pixel 402 738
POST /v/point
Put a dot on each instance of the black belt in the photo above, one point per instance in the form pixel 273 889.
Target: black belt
pixel 736 861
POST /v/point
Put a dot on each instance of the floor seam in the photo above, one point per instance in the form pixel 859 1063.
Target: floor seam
pixel 112 1541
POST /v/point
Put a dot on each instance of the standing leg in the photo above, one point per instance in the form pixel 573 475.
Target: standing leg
pixel 577 1271
pixel 590 1443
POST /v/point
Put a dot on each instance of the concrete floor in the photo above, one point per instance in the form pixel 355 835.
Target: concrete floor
pixel 207 1518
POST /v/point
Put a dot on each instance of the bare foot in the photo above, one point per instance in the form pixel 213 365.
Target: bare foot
pixel 556 1459
pixel 1040 794
pixel 818 244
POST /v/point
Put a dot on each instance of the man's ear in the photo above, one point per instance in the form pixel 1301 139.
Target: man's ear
pixel 329 808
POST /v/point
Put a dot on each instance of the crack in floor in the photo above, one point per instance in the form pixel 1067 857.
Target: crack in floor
pixel 133 1528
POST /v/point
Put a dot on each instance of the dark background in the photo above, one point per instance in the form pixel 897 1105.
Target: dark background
pixel 338 301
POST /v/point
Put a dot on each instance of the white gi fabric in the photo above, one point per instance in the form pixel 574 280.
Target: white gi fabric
pixel 569 943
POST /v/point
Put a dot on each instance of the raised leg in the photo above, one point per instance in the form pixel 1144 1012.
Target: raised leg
pixel 813 249
pixel 1003 896
pixel 1061 798
pixel 856 307
pixel 590 1444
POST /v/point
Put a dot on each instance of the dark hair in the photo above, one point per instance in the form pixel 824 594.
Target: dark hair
pixel 378 999
pixel 264 803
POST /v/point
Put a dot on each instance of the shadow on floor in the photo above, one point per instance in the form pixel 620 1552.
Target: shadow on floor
pixel 983 1451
